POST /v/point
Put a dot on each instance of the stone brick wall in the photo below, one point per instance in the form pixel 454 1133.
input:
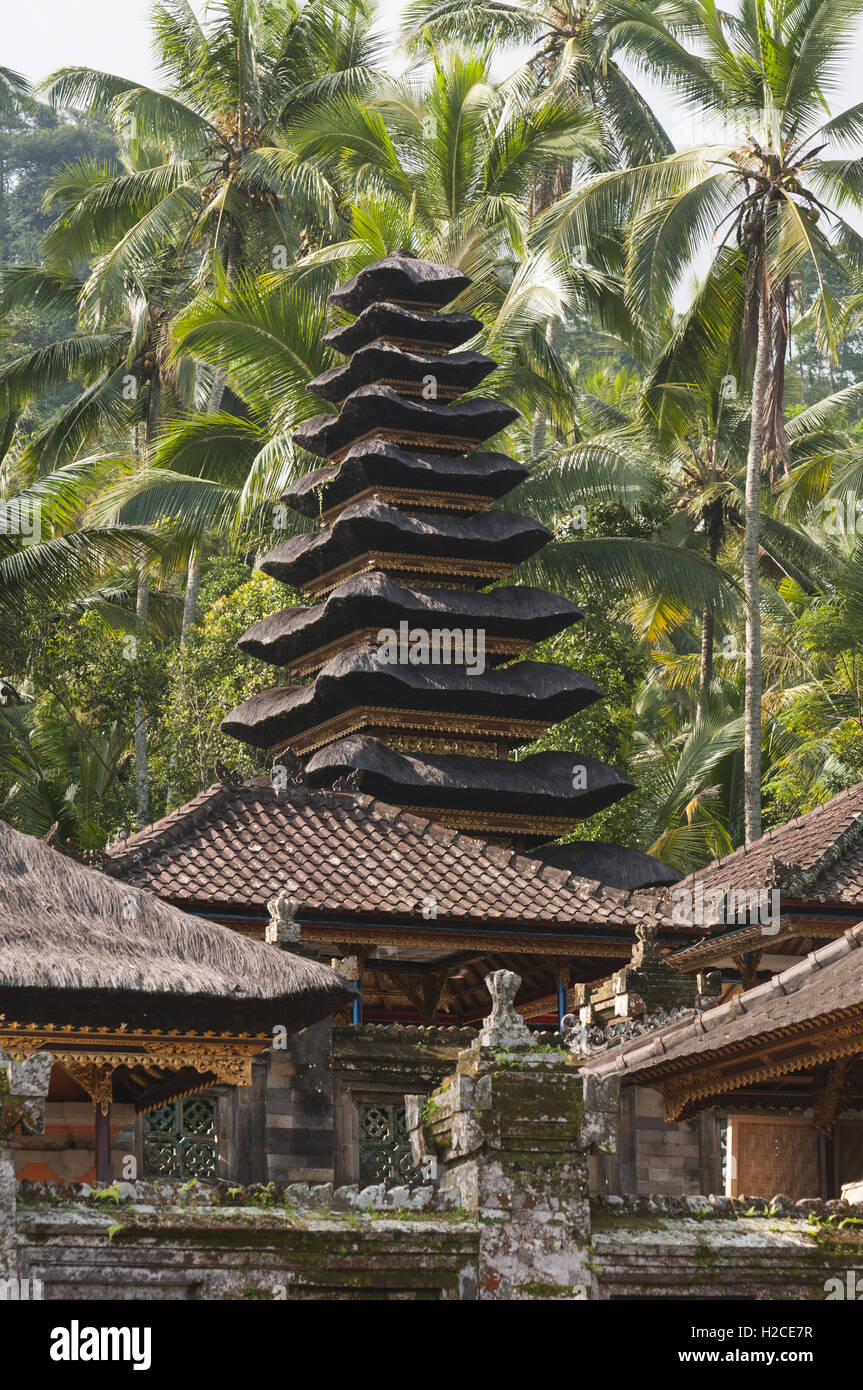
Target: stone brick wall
pixel 298 1121
pixel 382 1063
pixel 656 1156
pixel 307 1242
pixel 510 1134
pixel 667 1155
pixel 300 1111
pixel 708 1248
pixel 847 1151
pixel 143 1252
pixel 282 1127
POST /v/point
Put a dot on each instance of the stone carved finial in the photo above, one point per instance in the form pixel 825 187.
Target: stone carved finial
pixel 287 772
pixel 282 929
pixel 504 1028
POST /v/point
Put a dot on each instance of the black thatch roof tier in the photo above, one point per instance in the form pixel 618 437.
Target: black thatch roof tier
pixel 79 947
pixel 610 864
pixel 543 785
pixel 374 464
pixel 536 692
pixel 509 615
pixel 403 278
pixel 410 541
pixel 380 364
pixel 501 538
pixel 406 328
pixel 377 412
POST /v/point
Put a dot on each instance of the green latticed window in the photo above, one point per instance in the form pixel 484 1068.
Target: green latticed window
pixel 385 1149
pixel 180 1139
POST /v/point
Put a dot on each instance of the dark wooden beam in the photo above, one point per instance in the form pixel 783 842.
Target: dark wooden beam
pixel 104 1167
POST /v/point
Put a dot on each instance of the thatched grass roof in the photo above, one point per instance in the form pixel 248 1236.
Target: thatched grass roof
pixel 69 929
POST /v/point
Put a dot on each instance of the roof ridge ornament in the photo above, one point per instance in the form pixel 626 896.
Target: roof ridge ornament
pixel 283 929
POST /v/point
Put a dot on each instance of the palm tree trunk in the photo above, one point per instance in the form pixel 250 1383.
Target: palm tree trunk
pixel 217 391
pixel 190 602
pixel 713 527
pixel 537 438
pixel 706 672
pixel 142 603
pixel 142 762
pixel 752 714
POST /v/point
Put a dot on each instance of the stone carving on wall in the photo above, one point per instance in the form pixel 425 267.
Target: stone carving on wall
pixel 646 994
pixel 283 929
pixel 589 1039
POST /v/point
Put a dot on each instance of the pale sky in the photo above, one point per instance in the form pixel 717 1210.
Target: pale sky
pixel 113 35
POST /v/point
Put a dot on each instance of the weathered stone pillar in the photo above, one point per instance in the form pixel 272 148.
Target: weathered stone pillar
pixel 7 1213
pixel 300 1108
pixel 23 1088
pixel 511 1133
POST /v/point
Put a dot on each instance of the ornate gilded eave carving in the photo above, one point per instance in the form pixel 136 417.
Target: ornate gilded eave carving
pixel 794 1049
pixel 92 1056
pixel 732 943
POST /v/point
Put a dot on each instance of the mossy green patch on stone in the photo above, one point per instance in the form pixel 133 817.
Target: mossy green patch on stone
pixel 538 1289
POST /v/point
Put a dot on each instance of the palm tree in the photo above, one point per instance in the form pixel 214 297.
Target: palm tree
pixel 691 771
pixel 59 777
pixel 457 150
pixel 442 167
pixel 14 91
pixel 707 435
pixel 574 47
pixel 754 205
pixel 209 182
pixel 122 367
pixel 460 152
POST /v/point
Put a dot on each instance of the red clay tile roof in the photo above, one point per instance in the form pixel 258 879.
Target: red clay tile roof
pixel 824 983
pixel 817 857
pixel 349 854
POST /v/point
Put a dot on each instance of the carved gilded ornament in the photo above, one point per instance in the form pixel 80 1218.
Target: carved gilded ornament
pixel 93 1057
pixel 841 1039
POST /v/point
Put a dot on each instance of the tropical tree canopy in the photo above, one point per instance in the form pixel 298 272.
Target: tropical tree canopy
pixel 679 327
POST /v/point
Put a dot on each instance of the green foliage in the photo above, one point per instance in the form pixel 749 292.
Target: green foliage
pixel 206 680
pixel 106 1196
pixel 190 237
pixel 33 148
pixel 603 648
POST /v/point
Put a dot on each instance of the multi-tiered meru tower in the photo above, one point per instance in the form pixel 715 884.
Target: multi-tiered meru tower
pixel 415 691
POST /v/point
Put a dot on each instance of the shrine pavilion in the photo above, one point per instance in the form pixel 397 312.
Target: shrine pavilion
pixel 776 1070
pixel 137 1004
